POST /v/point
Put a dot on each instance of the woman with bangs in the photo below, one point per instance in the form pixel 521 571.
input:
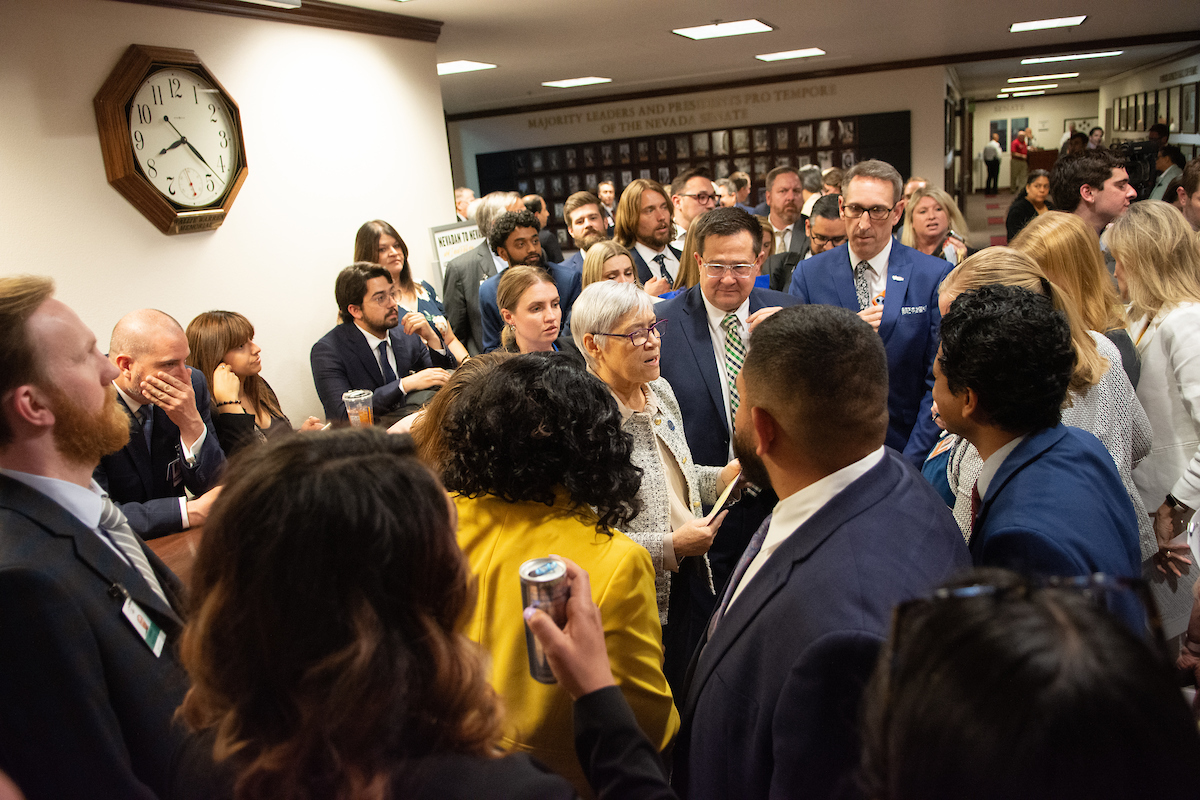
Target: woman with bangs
pixel 221 346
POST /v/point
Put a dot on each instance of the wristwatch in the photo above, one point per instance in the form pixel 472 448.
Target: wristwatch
pixel 1176 506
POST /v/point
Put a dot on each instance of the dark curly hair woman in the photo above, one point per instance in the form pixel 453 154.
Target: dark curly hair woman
pixel 323 650
pixel 540 466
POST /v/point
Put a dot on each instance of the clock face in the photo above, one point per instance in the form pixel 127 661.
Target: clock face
pixel 183 137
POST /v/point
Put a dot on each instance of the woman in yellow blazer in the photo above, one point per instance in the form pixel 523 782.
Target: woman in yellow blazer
pixel 540 466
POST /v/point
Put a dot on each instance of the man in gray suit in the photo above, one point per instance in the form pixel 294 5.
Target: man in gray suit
pixel 460 287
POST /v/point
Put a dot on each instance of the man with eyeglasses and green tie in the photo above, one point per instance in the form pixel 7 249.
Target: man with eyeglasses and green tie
pixel 711 325
pixel 692 193
pixel 893 287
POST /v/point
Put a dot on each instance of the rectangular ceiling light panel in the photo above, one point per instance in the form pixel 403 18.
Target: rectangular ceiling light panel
pixel 717 30
pixel 455 67
pixel 571 83
pixel 1036 78
pixel 1075 57
pixel 807 52
pixel 1045 24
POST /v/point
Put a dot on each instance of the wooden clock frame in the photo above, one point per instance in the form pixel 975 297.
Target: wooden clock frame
pixel 116 144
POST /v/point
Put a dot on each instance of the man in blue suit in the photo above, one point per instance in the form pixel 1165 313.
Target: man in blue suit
pixel 771 705
pixel 515 239
pixel 708 326
pixel 1049 499
pixel 366 351
pixel 644 226
pixel 893 287
pixel 172 443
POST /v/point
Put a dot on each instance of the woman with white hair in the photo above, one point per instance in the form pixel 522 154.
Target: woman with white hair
pixel 615 329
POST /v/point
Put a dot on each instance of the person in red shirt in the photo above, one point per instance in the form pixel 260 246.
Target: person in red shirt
pixel 1020 163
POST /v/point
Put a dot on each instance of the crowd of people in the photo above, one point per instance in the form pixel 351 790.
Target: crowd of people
pixel 846 508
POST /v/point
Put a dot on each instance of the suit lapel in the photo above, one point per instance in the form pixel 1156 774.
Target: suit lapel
pixel 695 329
pixel 841 278
pixel 487 264
pixel 899 273
pixel 362 351
pixel 1032 448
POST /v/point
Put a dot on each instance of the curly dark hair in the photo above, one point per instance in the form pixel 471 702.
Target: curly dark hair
pixel 1013 348
pixel 508 222
pixel 323 647
pixel 1072 173
pixel 538 423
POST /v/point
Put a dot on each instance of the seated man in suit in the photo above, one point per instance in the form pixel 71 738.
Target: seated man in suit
pixel 87 694
pixel 710 324
pixel 644 226
pixel 891 286
pixel 515 239
pixel 366 351
pixel 772 703
pixel 173 445
pixel 535 205
pixel 460 284
pixel 824 230
pixel 1049 499
pixel 586 224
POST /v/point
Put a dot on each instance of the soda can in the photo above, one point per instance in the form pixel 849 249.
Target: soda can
pixel 543 585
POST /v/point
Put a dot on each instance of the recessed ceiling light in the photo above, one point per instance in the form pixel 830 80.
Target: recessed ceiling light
pixel 570 83
pixel 1036 78
pixel 455 67
pixel 1001 97
pixel 719 29
pixel 1030 88
pixel 807 52
pixel 1076 57
pixel 1043 24
pixel 1027 94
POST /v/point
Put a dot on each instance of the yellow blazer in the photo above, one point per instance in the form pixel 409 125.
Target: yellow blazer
pixel 497 537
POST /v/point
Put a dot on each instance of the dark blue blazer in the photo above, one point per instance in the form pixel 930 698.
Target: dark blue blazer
pixel 771 705
pixel 909 329
pixel 88 709
pixel 1057 507
pixel 575 262
pixel 148 483
pixel 568 281
pixel 643 270
pixel 342 360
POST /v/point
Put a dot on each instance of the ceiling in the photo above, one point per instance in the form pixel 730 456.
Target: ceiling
pixel 631 42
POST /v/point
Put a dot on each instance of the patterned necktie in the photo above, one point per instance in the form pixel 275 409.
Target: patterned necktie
pixel 661 260
pixel 735 356
pixel 114 523
pixel 861 287
pixel 385 366
pixel 743 564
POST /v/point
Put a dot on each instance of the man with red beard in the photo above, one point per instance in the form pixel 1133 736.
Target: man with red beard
pixel 89 617
pixel 644 226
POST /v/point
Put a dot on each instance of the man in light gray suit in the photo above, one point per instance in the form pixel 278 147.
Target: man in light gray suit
pixel 460 287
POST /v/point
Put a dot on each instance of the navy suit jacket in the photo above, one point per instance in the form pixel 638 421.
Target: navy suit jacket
pixel 643 270
pixel 148 483
pixel 575 262
pixel 460 294
pixel 87 707
pixel 568 281
pixel 342 360
pixel 1057 507
pixel 909 329
pixel 771 705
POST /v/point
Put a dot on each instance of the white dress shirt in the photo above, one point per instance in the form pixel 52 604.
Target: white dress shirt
pixel 373 342
pixel 672 263
pixel 189 453
pixel 992 465
pixel 877 271
pixel 718 336
pixel 794 510
pixel 84 504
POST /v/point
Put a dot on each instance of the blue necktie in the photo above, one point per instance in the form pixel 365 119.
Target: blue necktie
pixel 743 564
pixel 389 374
pixel 661 260
pixel 145 417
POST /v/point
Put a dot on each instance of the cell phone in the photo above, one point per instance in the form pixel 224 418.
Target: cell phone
pixel 725 500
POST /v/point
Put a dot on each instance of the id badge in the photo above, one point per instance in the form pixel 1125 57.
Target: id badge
pixel 150 633
pixel 175 473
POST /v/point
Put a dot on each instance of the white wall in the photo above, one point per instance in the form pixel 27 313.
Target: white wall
pixel 340 128
pixel 1148 80
pixel 1047 116
pixel 919 90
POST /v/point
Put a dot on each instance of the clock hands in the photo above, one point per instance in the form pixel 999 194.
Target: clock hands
pixel 172 147
pixel 183 140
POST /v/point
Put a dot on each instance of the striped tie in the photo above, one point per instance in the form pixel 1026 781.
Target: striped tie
pixel 114 523
pixel 735 356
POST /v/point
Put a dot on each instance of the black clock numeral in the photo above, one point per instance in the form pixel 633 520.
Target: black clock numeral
pixel 209 183
pixel 143 113
pixel 153 170
pixel 221 162
pixel 174 85
pixel 171 185
pixel 213 110
pixel 156 95
pixel 139 141
pixel 224 138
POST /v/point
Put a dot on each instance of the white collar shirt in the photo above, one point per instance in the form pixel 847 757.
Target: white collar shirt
pixel 877 271
pixel 671 262
pixel 992 465
pixel 373 342
pixel 717 334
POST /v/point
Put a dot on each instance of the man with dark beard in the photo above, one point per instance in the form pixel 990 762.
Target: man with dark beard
pixel 771 706
pixel 586 223
pixel 89 617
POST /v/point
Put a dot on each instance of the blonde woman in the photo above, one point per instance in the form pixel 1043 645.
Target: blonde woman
pixel 1158 273
pixel 934 225
pixel 1068 251
pixel 528 301
pixel 1100 398
pixel 609 261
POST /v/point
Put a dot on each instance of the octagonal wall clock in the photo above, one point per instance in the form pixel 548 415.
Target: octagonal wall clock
pixel 171 138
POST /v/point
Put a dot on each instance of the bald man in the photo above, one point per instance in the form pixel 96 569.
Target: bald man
pixel 172 444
